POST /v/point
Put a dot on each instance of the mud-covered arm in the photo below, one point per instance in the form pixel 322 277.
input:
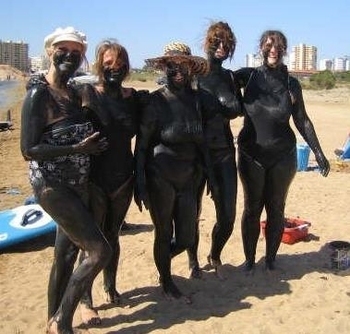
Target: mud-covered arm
pixel 34 119
pixel 234 102
pixel 208 106
pixel 88 96
pixel 305 126
pixel 242 76
pixel 146 131
pixel 211 106
pixel 233 107
pixel 143 99
pixel 212 184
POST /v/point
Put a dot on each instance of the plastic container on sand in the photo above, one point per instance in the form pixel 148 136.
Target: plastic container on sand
pixel 303 154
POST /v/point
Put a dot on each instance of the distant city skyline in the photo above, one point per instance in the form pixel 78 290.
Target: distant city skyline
pixel 303 58
pixel 145 27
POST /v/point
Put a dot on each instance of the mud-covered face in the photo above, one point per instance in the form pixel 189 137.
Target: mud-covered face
pixel 114 69
pixel 172 69
pixel 114 77
pixel 218 48
pixel 178 74
pixel 67 60
pixel 273 52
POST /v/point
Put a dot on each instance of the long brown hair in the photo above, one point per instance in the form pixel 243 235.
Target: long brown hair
pixel 223 31
pixel 278 39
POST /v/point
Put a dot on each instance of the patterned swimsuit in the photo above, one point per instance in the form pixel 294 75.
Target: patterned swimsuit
pixel 69 170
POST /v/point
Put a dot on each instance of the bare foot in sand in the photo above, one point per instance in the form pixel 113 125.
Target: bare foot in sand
pixel 272 270
pixel 249 268
pixel 89 315
pixel 171 292
pixel 196 272
pixel 219 270
pixel 52 328
pixel 113 297
pixel 217 266
pixel 187 300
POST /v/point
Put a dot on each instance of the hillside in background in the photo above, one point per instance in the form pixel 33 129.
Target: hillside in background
pixel 7 71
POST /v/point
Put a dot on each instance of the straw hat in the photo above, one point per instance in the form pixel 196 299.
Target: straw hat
pixel 179 52
pixel 63 35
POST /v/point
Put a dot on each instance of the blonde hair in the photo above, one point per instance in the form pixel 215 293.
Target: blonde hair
pixel 120 54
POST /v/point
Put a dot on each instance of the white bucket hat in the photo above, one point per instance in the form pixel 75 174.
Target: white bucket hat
pixel 65 34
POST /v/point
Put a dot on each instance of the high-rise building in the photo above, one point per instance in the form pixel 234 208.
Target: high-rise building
pixel 304 58
pixel 347 63
pixel 339 64
pixel 15 54
pixel 326 64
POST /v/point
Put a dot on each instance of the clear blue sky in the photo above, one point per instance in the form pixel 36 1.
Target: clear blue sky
pixel 145 26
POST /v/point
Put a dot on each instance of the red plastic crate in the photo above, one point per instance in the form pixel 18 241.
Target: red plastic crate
pixel 295 229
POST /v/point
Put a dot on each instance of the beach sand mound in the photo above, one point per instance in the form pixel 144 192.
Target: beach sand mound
pixel 9 72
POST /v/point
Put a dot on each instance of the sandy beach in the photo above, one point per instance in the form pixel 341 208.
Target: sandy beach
pixel 305 295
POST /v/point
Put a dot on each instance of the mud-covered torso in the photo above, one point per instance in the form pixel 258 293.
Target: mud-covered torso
pixel 117 120
pixel 177 136
pixel 266 134
pixel 180 121
pixel 217 129
pixel 69 127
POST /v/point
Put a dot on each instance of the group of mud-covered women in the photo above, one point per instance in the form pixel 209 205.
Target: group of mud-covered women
pixel 77 139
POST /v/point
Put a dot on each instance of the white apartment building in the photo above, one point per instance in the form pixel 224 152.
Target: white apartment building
pixel 303 58
pixel 339 64
pixel 326 64
pixel 347 64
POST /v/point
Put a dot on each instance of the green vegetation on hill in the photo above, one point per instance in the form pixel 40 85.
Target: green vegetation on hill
pixel 143 75
pixel 342 77
pixel 326 80
pixel 321 80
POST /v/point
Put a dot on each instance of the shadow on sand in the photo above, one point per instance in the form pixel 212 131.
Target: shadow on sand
pixel 213 297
